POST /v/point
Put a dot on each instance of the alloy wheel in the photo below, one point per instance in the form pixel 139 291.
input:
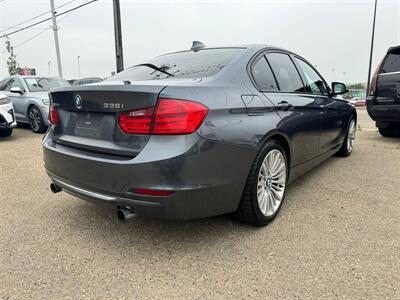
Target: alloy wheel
pixel 34 119
pixel 351 136
pixel 271 182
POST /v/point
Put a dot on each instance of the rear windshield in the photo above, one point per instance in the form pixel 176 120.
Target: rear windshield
pixel 392 63
pixel 187 64
pixel 43 84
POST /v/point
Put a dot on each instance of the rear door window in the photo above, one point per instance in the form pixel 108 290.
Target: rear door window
pixel 285 73
pixel 263 76
pixel 315 83
pixel 392 63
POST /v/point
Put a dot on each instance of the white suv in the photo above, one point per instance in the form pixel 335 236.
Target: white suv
pixel 7 118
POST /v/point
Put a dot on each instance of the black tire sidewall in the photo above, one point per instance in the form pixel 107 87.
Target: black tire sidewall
pixel 270 145
pixel 6 132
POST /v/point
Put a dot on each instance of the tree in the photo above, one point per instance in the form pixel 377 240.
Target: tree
pixel 12 60
pixel 357 86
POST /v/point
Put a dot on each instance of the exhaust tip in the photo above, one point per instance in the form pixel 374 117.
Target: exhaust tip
pixel 124 214
pixel 55 189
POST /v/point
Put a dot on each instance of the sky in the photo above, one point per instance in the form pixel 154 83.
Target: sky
pixel 333 35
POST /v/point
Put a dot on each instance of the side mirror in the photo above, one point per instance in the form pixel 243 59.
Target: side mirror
pixel 16 90
pixel 339 88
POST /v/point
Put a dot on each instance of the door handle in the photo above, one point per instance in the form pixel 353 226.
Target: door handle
pixel 284 105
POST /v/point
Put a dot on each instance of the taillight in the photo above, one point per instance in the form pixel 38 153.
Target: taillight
pixel 53 116
pixel 178 116
pixel 136 121
pixel 170 117
pixel 374 79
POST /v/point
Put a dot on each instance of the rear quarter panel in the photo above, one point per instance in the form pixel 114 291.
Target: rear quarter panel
pixel 227 121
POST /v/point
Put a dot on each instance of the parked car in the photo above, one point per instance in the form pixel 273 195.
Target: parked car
pixel 383 101
pixel 87 81
pixel 7 119
pixel 29 95
pixel 356 97
pixel 197 133
pixel 360 102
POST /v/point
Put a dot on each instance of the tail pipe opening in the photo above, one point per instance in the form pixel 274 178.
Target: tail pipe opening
pixel 54 188
pixel 125 213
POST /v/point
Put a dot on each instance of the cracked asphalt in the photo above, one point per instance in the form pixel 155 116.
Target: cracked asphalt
pixel 337 236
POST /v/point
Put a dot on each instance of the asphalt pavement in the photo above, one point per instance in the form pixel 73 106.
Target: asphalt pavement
pixel 337 236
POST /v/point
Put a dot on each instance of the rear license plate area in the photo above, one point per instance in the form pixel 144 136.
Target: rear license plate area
pixel 88 125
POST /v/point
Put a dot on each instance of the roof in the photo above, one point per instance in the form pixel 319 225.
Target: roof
pixel 254 47
pixel 33 76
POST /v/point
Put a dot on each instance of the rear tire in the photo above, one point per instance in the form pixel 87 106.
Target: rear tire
pixel 6 132
pixel 389 131
pixel 35 119
pixel 265 186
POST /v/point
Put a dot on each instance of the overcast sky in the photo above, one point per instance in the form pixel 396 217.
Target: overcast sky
pixel 334 35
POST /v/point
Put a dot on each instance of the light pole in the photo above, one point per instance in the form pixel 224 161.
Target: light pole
pixel 55 30
pixel 372 48
pixel 79 67
pixel 48 64
pixel 118 37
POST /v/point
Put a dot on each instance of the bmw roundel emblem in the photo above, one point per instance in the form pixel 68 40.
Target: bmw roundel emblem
pixel 78 101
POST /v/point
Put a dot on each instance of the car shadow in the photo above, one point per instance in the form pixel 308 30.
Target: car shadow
pixel 102 229
pixel 23 126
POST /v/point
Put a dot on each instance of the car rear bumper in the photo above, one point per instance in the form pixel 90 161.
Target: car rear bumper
pixel 383 113
pixel 207 177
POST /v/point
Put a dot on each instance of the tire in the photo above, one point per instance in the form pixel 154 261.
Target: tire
pixel 35 119
pixel 348 144
pixel 6 132
pixel 258 186
pixel 389 131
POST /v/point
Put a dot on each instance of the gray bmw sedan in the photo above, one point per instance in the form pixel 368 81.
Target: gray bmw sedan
pixel 197 133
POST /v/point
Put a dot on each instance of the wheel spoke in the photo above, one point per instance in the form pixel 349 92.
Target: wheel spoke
pixel 264 207
pixel 264 169
pixel 278 170
pixel 275 194
pixel 351 136
pixel 278 181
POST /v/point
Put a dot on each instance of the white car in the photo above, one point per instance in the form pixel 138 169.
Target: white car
pixel 7 117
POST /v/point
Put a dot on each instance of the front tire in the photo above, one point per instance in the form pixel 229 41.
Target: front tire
pixel 6 132
pixel 348 143
pixel 35 118
pixel 265 187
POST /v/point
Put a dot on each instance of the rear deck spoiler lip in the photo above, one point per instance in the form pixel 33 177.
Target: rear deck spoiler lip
pixel 103 87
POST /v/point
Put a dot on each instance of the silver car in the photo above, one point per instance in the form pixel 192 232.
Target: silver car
pixel 29 95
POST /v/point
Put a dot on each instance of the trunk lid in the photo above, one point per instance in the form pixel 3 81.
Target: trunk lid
pixel 89 116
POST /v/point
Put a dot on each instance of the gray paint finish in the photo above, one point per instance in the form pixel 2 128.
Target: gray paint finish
pixel 206 169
